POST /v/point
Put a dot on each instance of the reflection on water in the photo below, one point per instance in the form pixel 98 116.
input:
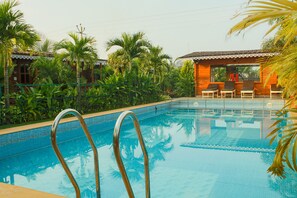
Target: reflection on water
pixel 157 144
pixel 229 129
pixel 210 153
pixel 231 133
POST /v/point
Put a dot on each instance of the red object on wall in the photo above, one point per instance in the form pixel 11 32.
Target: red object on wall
pixel 236 77
pixel 231 78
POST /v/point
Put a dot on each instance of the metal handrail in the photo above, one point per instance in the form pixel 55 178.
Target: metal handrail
pixel 61 158
pixel 117 153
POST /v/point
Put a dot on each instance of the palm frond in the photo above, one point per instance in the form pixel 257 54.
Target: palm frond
pixel 130 47
pixel 263 11
pixel 285 133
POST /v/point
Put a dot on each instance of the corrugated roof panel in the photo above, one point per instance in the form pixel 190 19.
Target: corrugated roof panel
pixel 30 57
pixel 212 55
pixel 235 56
pixel 23 57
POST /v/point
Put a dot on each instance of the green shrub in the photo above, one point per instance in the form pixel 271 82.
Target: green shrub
pixel 185 84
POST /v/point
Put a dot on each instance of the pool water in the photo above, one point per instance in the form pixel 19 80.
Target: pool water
pixel 192 153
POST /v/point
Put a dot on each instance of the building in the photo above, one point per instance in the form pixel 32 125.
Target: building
pixel 216 67
pixel 23 60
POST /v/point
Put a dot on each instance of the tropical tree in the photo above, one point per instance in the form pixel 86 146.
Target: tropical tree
pixel 15 33
pixel 157 63
pixel 118 62
pixel 45 68
pixel 78 51
pixel 129 47
pixel 51 68
pixel 44 47
pixel 185 84
pixel 170 81
pixel 104 72
pixel 282 15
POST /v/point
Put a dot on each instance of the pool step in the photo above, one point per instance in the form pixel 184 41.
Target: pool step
pixel 229 148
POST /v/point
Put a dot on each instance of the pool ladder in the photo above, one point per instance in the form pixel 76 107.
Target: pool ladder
pixel 117 152
pixel 116 136
pixel 61 158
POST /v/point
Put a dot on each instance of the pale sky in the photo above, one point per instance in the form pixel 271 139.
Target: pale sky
pixel 179 26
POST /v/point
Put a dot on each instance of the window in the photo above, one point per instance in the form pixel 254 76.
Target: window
pixel 248 72
pixel 218 74
pixel 222 73
pixel 24 73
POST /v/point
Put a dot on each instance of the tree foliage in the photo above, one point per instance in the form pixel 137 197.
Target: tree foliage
pixel 128 48
pixel 171 79
pixel 14 34
pixel 79 51
pixel 185 85
pixel 44 47
pixel 156 62
pixel 282 15
pixel 53 69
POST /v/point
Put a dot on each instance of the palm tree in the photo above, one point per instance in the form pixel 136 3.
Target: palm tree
pixel 157 63
pixel 282 14
pixel 279 13
pixel 170 79
pixel 15 33
pixel 80 51
pixel 45 68
pixel 130 47
pixel 44 47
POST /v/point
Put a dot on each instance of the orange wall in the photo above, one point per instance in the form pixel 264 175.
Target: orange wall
pixel 202 75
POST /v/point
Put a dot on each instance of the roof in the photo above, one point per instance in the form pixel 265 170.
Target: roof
pixel 101 61
pixel 30 56
pixel 212 55
pixel 24 56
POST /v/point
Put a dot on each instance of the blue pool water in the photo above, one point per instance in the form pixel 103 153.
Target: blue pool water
pixel 192 153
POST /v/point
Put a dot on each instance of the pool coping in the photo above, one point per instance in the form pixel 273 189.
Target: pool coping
pixel 64 120
pixel 11 191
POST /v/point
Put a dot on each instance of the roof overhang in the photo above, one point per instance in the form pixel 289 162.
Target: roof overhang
pixel 19 56
pixel 23 57
pixel 219 55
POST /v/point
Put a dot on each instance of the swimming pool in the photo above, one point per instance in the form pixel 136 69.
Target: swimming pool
pixel 195 149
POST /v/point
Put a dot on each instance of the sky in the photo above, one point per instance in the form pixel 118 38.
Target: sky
pixel 179 26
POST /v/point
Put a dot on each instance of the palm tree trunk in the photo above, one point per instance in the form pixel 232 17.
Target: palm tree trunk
pixel 78 85
pixel 155 75
pixel 92 74
pixel 101 71
pixel 6 85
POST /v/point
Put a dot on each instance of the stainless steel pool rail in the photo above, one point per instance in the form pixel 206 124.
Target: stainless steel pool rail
pixel 117 153
pixel 61 158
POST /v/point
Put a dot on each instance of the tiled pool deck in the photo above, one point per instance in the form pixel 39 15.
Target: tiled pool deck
pixel 10 191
